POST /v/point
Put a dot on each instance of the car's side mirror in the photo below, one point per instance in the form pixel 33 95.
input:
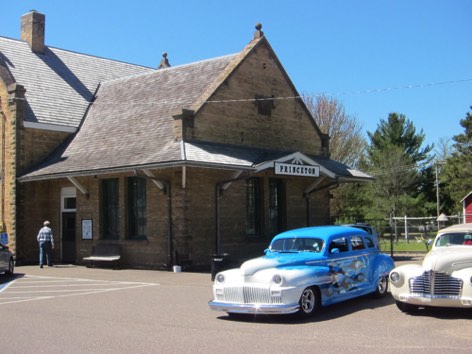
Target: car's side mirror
pixel 267 250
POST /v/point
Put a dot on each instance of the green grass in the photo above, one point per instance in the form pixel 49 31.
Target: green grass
pixel 404 246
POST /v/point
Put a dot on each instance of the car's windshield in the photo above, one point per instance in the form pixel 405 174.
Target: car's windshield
pixel 295 244
pixel 457 238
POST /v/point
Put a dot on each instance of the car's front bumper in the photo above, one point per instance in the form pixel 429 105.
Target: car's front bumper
pixel 260 309
pixel 435 301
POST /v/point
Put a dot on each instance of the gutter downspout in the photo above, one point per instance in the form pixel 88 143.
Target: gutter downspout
pixel 306 195
pixel 218 188
pixel 165 186
pixel 170 234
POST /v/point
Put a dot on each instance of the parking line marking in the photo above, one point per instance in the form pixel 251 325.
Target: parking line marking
pixel 32 285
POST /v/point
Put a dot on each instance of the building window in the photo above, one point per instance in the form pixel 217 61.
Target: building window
pixel 265 105
pixel 137 208
pixel 253 207
pixel 69 203
pixel 110 209
pixel 276 206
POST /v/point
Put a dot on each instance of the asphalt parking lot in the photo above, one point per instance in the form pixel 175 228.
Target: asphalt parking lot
pixel 74 309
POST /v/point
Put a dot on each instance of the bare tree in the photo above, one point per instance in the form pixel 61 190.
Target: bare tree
pixel 347 144
pixel 443 149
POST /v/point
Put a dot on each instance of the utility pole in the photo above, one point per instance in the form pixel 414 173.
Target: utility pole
pixel 438 202
pixel 437 189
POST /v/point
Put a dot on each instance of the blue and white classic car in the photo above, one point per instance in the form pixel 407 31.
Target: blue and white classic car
pixel 302 270
pixel 444 279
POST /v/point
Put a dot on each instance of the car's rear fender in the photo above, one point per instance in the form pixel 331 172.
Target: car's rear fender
pixel 381 267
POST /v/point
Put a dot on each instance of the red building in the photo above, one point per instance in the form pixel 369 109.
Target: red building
pixel 467 207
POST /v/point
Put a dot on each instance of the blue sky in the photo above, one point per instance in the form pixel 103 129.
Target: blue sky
pixel 373 56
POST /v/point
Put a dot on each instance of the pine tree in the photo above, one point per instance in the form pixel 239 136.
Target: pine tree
pixel 456 176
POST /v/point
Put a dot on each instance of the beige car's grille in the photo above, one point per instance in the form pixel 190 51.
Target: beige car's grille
pixel 436 284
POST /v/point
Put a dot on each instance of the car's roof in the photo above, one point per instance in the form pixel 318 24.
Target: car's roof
pixel 321 232
pixel 456 228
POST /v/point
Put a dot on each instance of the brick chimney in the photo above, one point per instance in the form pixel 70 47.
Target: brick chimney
pixel 32 30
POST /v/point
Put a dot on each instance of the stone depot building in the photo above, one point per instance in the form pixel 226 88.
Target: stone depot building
pixel 171 163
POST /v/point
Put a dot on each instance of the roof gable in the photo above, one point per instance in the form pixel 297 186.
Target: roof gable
pixel 237 61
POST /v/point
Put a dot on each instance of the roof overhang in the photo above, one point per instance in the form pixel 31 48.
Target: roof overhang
pixel 221 157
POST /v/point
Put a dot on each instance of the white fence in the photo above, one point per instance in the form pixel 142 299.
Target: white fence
pixel 409 227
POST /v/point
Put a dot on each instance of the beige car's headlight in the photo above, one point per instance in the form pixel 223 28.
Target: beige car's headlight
pixel 396 279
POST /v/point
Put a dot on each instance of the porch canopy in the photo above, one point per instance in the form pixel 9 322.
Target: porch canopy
pixel 194 154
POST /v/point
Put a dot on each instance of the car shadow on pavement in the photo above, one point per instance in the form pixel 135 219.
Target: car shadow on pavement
pixel 5 278
pixel 443 313
pixel 323 314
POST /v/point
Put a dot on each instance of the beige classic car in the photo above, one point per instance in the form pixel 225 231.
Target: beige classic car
pixel 444 279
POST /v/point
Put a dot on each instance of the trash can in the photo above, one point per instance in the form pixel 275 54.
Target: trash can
pixel 219 262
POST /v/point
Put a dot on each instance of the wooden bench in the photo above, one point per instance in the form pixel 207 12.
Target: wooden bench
pixel 104 253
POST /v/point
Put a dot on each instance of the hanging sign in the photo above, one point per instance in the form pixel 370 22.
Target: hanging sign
pixel 296 170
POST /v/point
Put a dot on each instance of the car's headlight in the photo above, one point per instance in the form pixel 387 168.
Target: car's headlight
pixel 396 278
pixel 277 279
pixel 220 278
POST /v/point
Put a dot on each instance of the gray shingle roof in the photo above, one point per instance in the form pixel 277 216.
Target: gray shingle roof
pixel 59 84
pixel 130 122
pixel 248 158
pixel 129 125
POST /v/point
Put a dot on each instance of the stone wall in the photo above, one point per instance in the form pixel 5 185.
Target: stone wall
pixel 21 149
pixel 288 127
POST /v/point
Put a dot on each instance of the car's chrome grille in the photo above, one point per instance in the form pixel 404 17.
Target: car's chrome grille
pixel 436 284
pixel 248 294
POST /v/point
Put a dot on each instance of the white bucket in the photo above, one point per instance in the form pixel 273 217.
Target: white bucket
pixel 177 269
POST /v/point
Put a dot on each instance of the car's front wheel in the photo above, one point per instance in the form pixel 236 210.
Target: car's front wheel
pixel 405 307
pixel 309 302
pixel 11 267
pixel 382 287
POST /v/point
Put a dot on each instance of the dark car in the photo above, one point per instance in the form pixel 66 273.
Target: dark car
pixel 7 263
pixel 368 228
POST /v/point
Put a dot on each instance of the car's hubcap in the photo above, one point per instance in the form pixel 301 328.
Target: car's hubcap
pixel 308 300
pixel 382 285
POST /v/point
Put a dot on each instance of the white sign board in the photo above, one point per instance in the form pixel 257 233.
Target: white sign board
pixel 87 229
pixel 296 170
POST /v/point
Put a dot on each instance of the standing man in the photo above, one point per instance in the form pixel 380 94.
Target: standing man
pixel 46 244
